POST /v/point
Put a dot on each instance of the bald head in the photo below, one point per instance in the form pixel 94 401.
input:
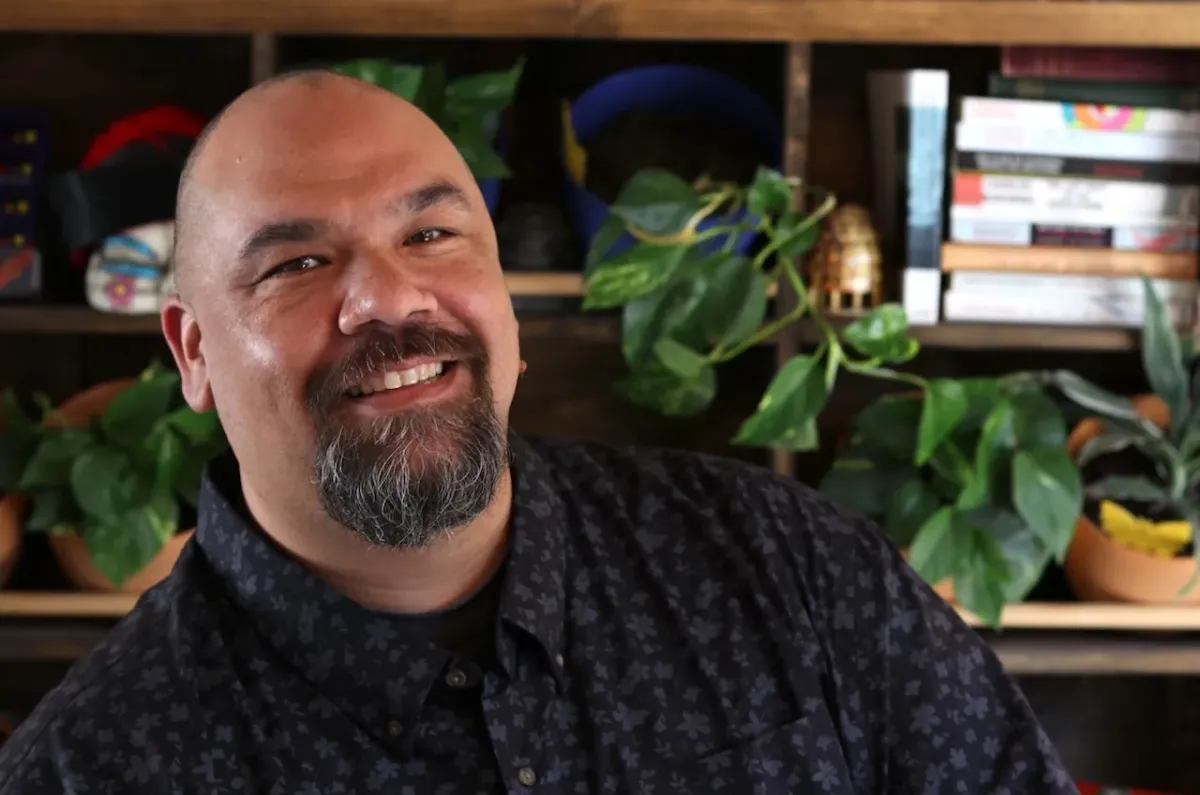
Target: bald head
pixel 294 116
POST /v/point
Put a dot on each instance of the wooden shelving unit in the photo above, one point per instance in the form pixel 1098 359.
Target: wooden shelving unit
pixel 1114 22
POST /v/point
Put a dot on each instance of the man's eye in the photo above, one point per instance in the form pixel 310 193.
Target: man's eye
pixel 427 236
pixel 304 263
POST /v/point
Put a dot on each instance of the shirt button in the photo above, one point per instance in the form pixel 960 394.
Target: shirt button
pixel 526 776
pixel 395 728
pixel 558 660
pixel 456 678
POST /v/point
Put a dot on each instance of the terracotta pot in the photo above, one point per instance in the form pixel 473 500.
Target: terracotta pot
pixel 69 550
pixel 1098 568
pixel 12 511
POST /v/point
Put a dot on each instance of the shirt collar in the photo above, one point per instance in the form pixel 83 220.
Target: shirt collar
pixel 291 606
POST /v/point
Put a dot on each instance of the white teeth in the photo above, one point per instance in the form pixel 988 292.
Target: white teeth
pixel 397 379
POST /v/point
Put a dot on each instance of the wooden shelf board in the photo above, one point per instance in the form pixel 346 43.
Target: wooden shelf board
pixel 1096 616
pixel 65 604
pixel 1115 22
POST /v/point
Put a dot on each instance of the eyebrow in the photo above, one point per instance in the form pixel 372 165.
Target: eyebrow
pixel 304 230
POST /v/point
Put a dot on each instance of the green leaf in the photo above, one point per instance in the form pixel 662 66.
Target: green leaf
pixel 657 202
pixel 1162 358
pixel 606 236
pixel 1037 421
pixel 197 428
pixel 486 92
pixel 1113 440
pixel 911 506
pixel 1025 553
pixel 680 359
pixel 51 463
pixel 133 413
pixel 1094 398
pixel 53 507
pixel 735 301
pixel 996 442
pixel 431 94
pixel 769 193
pixel 97 480
pixel 16 451
pixel 123 546
pixel 13 419
pixel 1048 495
pixel 882 334
pixel 476 148
pixel 935 553
pixel 864 485
pixel 672 310
pixel 945 405
pixel 631 274
pixel 797 237
pixel 1130 487
pixel 983 575
pixel 795 396
pixel 659 389
pixel 887 427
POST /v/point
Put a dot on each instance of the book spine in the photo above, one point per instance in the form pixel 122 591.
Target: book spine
pixel 1057 310
pixel 1047 115
pixel 1129 65
pixel 1032 165
pixel 1038 284
pixel 1078 261
pixel 1102 145
pixel 909 113
pixel 1146 95
pixel 1055 200
pixel 983 231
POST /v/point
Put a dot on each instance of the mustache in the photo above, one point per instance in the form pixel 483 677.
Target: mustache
pixel 380 348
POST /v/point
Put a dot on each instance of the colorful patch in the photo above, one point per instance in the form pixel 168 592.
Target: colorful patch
pixel 1113 118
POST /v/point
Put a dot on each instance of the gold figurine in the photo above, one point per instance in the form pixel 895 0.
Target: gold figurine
pixel 846 266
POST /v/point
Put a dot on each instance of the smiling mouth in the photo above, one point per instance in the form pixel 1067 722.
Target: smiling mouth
pixel 392 380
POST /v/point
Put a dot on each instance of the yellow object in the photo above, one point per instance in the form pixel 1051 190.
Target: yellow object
pixel 1162 539
pixel 576 155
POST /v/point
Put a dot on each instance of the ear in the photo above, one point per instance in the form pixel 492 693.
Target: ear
pixel 183 336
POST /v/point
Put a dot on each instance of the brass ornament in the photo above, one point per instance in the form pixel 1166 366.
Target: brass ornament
pixel 845 268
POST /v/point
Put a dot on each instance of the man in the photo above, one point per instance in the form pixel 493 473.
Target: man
pixel 390 592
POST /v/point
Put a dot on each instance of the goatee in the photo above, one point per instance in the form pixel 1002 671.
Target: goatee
pixel 404 481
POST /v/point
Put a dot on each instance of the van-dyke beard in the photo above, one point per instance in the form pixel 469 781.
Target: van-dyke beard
pixel 404 481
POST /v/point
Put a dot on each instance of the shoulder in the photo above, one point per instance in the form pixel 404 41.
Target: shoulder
pixel 712 508
pixel 109 719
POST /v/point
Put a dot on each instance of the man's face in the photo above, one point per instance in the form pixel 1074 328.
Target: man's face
pixel 354 329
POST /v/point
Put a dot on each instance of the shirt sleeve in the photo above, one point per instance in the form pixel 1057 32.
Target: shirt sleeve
pixel 925 704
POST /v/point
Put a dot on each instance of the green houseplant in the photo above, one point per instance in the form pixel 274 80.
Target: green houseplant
pixel 122 477
pixel 467 109
pixel 990 495
pixel 986 501
pixel 1142 456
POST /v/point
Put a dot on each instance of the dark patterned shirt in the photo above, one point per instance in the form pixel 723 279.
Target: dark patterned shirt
pixel 666 623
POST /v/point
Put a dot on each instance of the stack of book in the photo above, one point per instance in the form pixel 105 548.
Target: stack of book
pixel 1060 201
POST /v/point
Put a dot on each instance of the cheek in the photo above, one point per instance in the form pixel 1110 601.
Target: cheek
pixel 488 311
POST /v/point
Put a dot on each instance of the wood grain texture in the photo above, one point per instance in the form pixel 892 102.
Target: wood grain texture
pixel 1162 24
pixel 1118 22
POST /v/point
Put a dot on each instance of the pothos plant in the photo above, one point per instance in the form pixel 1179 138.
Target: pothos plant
pixel 467 109
pixel 972 477
pixel 123 481
pixel 992 495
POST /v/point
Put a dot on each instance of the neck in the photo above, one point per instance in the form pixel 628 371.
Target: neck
pixel 391 580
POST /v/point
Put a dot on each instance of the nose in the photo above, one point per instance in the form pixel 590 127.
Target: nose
pixel 379 290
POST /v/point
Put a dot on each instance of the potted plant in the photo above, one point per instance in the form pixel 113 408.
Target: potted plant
pixel 686 120
pixel 114 478
pixel 971 477
pixel 687 307
pixel 18 438
pixel 1140 461
pixel 468 109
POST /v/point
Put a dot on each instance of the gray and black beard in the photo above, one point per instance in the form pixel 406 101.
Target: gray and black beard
pixel 407 480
